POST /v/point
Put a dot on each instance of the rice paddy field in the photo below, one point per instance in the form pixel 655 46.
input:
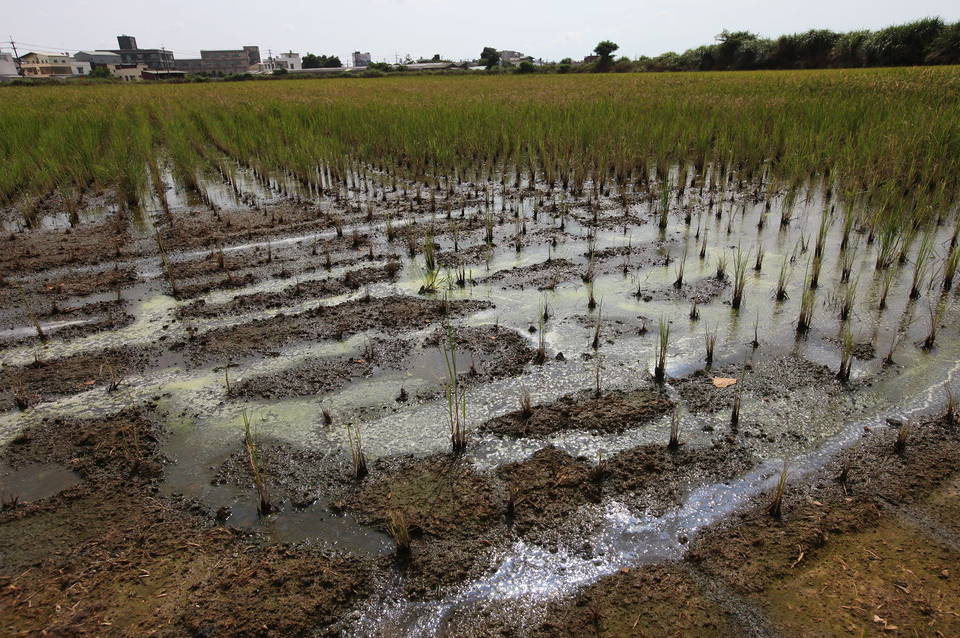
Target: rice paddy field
pixel 624 355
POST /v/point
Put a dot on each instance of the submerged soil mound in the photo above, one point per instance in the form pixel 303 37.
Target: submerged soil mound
pixel 610 413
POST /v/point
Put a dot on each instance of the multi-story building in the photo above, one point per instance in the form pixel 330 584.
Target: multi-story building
pixel 130 53
pixel 99 58
pixel 222 62
pixel 8 66
pixel 361 59
pixel 37 64
pixel 112 62
pixel 289 61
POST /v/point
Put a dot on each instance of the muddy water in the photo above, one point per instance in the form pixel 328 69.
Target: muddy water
pixel 807 425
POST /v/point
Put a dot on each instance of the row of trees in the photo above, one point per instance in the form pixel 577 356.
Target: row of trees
pixel 928 41
pixel 311 61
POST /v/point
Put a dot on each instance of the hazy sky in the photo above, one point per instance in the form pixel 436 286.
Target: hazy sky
pixel 454 29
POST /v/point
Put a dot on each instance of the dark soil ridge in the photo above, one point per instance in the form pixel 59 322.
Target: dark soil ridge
pixel 755 575
pixel 265 336
pixel 111 557
pixel 48 380
pixel 297 292
pixel 99 316
pixel 611 413
pixel 773 379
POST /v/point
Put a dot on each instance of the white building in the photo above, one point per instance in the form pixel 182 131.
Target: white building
pixel 52 65
pixel 289 61
pixel 361 59
pixel 8 66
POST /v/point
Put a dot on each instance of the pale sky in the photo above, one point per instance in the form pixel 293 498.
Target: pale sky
pixel 420 28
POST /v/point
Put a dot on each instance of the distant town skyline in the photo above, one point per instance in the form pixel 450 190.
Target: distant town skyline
pixel 395 29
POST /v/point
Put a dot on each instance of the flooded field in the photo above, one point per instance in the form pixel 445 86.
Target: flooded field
pixel 262 405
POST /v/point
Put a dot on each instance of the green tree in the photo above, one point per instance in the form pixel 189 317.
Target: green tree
pixel 99 72
pixel 526 67
pixel 490 57
pixel 311 61
pixel 605 50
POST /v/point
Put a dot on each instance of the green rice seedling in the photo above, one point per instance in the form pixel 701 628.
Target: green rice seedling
pixel 807 303
pixel 848 300
pixel 775 509
pixel 540 357
pixel 886 280
pixel 721 267
pixel 950 265
pixel 903 434
pixel 846 356
pixel 678 283
pixel 936 314
pixel 660 367
pixel 456 394
pixel 703 244
pixel 756 332
pixel 256 466
pixel 889 238
pixel 822 235
pixel 739 277
pixel 921 263
pixel 674 443
pixel 399 529
pixel 337 223
pixel 710 341
pixel 848 219
pixel 488 224
pixel 888 360
pixel 31 315
pixel 814 281
pixel 758 264
pixel 781 294
pixel 595 343
pixel 357 455
pixel 664 204
pixel 694 310
pixel 590 273
pixel 847 257
pixel 391 231
pixel 591 301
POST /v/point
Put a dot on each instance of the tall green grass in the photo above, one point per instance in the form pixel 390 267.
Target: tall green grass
pixel 892 136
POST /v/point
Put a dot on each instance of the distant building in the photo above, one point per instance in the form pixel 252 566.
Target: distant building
pixel 113 62
pixel 156 74
pixel 361 59
pixel 289 61
pixel 222 62
pixel 8 66
pixel 129 72
pixel 513 58
pixel 52 65
pixel 130 53
pixel 432 66
pixel 99 58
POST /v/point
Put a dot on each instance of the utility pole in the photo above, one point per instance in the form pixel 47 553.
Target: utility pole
pixel 16 57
